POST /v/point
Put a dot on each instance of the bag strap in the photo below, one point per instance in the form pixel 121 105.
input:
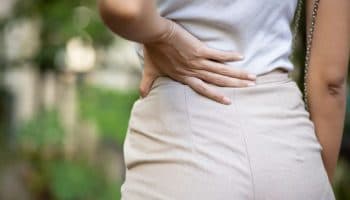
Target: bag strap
pixel 308 40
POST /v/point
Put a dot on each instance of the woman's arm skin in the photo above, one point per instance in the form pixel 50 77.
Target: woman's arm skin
pixel 135 20
pixel 172 51
pixel 328 68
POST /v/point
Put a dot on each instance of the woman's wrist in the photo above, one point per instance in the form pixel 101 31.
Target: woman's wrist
pixel 166 31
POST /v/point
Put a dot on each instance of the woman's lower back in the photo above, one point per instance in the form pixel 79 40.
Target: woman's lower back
pixel 183 146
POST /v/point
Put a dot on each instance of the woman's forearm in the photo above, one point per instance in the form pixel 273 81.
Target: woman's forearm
pixel 136 20
pixel 328 113
pixel 328 71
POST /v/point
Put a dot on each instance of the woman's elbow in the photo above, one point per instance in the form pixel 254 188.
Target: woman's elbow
pixel 119 10
pixel 335 80
pixel 337 89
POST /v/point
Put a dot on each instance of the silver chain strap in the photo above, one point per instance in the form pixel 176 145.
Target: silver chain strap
pixel 308 40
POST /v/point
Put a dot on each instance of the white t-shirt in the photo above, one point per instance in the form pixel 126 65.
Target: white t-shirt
pixel 258 29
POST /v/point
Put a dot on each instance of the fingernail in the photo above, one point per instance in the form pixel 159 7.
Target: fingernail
pixel 252 76
pixel 251 83
pixel 226 100
pixel 240 56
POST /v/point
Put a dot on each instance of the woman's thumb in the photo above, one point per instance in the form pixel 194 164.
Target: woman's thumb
pixel 145 85
pixel 148 76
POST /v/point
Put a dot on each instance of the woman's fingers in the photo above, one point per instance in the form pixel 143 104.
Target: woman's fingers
pixel 219 55
pixel 222 80
pixel 226 70
pixel 204 89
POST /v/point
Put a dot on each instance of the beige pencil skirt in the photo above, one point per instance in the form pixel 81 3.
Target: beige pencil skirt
pixel 181 145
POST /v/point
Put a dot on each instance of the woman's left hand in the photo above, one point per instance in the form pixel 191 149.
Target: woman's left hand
pixel 184 58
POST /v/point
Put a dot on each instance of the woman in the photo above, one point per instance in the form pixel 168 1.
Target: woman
pixel 219 117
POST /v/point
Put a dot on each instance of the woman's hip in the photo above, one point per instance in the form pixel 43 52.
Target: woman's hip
pixel 271 110
pixel 263 143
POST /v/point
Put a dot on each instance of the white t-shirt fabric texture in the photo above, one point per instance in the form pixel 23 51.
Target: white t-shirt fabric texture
pixel 260 30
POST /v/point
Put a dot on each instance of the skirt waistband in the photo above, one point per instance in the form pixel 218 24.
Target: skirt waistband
pixel 276 75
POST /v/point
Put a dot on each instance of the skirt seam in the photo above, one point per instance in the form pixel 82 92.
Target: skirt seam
pixel 193 147
pixel 245 143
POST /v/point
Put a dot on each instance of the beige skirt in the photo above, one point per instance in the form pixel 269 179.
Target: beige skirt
pixel 181 145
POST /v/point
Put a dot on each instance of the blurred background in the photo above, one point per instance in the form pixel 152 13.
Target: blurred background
pixel 67 86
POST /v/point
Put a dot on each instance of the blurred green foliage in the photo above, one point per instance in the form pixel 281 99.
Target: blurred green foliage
pixel 61 20
pixel 342 180
pixel 110 109
pixel 41 139
pixel 79 181
pixel 44 129
pixel 52 175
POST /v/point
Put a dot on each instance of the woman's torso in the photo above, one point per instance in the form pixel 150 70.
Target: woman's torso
pixel 182 145
pixel 260 30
